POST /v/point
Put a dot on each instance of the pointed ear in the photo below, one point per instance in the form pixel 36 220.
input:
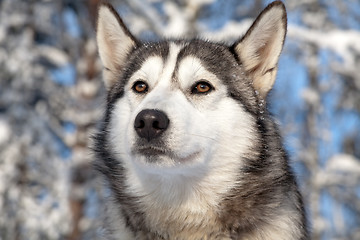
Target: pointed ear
pixel 260 48
pixel 114 42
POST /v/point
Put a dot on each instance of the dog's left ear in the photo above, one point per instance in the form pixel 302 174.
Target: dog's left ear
pixel 260 48
pixel 114 42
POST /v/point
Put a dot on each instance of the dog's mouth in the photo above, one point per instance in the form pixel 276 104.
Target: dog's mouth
pixel 154 154
pixel 152 151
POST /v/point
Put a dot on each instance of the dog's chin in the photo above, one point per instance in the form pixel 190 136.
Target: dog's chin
pixel 162 157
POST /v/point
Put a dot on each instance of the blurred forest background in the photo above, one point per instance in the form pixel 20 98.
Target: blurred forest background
pixel 51 96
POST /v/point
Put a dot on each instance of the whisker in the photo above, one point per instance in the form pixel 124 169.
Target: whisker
pixel 207 137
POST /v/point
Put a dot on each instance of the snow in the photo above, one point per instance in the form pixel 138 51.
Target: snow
pixel 344 163
pixel 343 42
pixel 5 132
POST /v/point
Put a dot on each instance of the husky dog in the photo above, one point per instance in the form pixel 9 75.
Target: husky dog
pixel 187 146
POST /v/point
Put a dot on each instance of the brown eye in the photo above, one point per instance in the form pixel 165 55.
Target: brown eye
pixel 140 87
pixel 202 87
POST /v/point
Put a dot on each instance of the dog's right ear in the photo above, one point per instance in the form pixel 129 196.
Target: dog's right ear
pixel 114 42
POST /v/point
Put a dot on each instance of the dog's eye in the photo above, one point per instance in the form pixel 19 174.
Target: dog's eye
pixel 140 87
pixel 202 87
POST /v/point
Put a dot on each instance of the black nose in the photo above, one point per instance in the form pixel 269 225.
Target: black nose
pixel 151 123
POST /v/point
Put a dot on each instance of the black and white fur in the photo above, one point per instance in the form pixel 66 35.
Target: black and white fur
pixel 186 164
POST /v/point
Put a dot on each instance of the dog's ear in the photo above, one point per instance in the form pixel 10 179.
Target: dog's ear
pixel 114 42
pixel 260 48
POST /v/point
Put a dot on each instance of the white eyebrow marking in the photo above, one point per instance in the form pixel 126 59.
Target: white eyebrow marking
pixel 150 71
pixel 191 70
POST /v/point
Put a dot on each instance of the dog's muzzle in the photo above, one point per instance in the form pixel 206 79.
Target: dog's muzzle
pixel 151 123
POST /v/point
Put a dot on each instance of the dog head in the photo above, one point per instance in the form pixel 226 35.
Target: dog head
pixel 179 105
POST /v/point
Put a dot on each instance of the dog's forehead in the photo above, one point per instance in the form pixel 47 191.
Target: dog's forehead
pixel 210 54
pixel 215 58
